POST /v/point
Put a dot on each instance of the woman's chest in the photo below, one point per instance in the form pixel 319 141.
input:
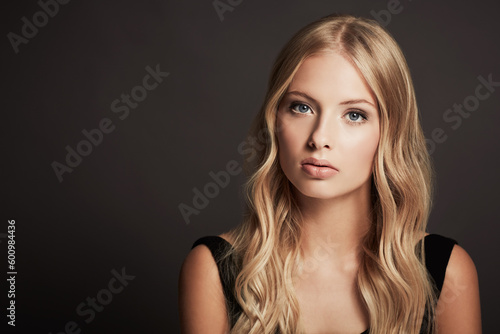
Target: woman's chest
pixel 331 306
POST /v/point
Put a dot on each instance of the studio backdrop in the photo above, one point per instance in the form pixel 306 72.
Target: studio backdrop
pixel 120 117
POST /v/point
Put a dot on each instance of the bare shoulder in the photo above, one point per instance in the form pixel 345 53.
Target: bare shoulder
pixel 202 306
pixel 458 309
pixel 461 264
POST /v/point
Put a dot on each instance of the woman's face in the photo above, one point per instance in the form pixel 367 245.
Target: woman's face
pixel 328 112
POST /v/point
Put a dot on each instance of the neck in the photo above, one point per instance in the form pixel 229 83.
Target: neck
pixel 335 228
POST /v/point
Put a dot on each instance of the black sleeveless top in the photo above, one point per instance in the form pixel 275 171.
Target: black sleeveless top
pixel 437 253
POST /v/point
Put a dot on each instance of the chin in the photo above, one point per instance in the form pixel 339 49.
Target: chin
pixel 320 189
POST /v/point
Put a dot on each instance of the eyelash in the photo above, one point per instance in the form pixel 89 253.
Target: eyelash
pixel 355 111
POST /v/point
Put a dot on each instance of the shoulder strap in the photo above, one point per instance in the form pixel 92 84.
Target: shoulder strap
pixel 437 254
pixel 218 246
pixel 215 243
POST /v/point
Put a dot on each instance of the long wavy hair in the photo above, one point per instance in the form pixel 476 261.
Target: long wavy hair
pixel 392 278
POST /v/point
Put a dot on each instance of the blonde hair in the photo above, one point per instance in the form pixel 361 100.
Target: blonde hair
pixel 392 278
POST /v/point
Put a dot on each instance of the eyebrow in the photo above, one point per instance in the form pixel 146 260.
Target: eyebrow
pixel 347 102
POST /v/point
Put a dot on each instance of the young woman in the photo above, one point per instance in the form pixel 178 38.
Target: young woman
pixel 338 197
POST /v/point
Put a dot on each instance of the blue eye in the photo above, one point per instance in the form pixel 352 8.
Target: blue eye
pixel 303 108
pixel 355 114
pixel 356 117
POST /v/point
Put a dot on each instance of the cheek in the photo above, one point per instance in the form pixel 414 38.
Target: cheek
pixel 360 151
pixel 285 145
pixel 289 144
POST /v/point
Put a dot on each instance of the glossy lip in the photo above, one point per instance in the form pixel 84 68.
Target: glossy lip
pixel 319 172
pixel 318 168
pixel 317 162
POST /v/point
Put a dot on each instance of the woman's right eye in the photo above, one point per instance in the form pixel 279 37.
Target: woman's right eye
pixel 299 108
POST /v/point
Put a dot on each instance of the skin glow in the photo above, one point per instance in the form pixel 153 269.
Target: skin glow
pixel 328 113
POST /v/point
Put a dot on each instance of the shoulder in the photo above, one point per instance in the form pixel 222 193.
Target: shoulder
pixel 201 298
pixel 458 308
pixel 461 265
pixel 461 273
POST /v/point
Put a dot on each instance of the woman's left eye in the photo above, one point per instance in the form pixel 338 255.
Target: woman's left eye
pixel 302 108
pixel 356 117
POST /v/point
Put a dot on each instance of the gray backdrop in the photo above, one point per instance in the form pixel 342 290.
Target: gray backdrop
pixel 99 247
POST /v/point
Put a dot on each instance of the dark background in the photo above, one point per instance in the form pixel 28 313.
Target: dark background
pixel 119 207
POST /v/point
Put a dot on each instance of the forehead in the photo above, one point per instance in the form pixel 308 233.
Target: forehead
pixel 330 76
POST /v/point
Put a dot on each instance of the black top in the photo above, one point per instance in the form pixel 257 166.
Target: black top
pixel 437 253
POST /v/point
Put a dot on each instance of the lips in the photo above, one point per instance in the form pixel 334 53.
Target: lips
pixel 317 162
pixel 318 168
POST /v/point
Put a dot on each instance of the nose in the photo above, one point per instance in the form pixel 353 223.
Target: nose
pixel 321 134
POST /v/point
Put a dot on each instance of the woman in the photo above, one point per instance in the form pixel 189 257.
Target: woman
pixel 333 239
